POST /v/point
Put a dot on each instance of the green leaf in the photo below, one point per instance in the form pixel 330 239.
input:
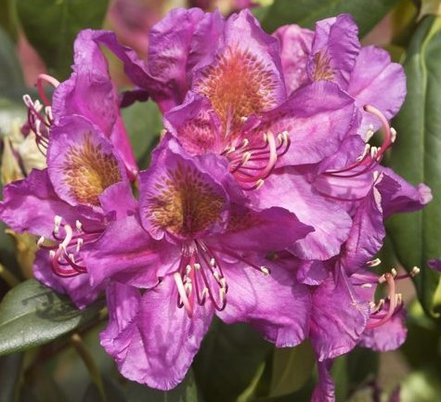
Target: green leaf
pixel 184 392
pixel 8 17
pixel 32 314
pixel 292 367
pixel 228 361
pixel 415 156
pixel 52 25
pixel 307 12
pixel 11 76
pixel 143 122
pixel 10 370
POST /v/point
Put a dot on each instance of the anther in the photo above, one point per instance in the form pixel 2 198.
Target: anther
pixel 394 272
pixel 197 266
pixel 40 241
pixel 78 225
pixel 374 263
pixel 265 270
pixel 213 262
pixel 415 271
pixel 366 285
pixel 57 222
pixel 259 183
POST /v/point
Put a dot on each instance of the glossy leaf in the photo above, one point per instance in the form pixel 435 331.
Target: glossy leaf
pixel 31 315
pixel 11 77
pixel 416 156
pixel 228 361
pixel 143 122
pixel 292 367
pixel 307 12
pixel 10 370
pixel 52 25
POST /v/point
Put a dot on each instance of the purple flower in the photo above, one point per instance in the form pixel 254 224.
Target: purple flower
pixel 90 93
pixel 333 53
pixel 196 250
pixel 69 203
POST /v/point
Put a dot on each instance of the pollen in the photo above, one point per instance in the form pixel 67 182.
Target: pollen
pixel 238 84
pixel 184 203
pixel 88 171
pixel 323 70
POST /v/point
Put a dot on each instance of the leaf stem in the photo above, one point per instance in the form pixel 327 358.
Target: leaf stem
pixel 8 277
pixel 89 362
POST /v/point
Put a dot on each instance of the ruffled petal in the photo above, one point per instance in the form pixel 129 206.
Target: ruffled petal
pixel 76 287
pixel 157 346
pixel 334 50
pixel 331 222
pixel 282 320
pixel 295 46
pixel 324 391
pixel 30 205
pixel 338 317
pixel 374 74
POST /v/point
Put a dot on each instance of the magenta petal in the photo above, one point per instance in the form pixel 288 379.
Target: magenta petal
pixel 317 118
pixel 331 222
pixel 125 252
pixel 118 199
pixel 30 205
pixel 90 92
pixel 312 273
pixel 334 50
pixel 389 336
pixel 196 126
pixel 76 287
pixel 271 229
pixel 283 319
pixel 157 347
pixel 375 74
pixel 338 318
pixel 295 46
pixel 324 391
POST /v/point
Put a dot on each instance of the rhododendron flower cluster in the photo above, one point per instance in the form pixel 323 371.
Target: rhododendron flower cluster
pixel 264 202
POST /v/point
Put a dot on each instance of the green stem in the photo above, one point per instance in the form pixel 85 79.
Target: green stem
pixel 89 362
pixel 8 277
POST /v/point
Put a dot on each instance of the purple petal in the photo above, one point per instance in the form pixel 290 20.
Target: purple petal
pixel 375 74
pixel 244 76
pixel 118 199
pixel 331 222
pixel 158 345
pixel 196 126
pixel 90 92
pixel 81 162
pixel 77 287
pixel 312 273
pixel 282 320
pixel 295 46
pixel 325 389
pixel 389 336
pixel 30 205
pixel 399 195
pixel 317 118
pixel 338 317
pixel 125 252
pixel 334 50
pixel 271 229
pixel 434 264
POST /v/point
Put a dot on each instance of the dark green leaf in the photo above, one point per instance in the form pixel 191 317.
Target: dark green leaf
pixel 8 18
pixel 307 12
pixel 143 122
pixel 228 361
pixel 292 367
pixel 10 369
pixel 11 77
pixel 52 25
pixel 184 392
pixel 417 236
pixel 31 315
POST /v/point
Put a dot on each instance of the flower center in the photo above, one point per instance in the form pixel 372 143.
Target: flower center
pixel 88 171
pixel 237 84
pixel 184 202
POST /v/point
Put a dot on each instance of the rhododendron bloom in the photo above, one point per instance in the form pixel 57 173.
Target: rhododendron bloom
pixel 207 249
pixel 69 203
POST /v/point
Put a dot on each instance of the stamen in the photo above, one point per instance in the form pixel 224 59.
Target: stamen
pixel 374 263
pixel 183 294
